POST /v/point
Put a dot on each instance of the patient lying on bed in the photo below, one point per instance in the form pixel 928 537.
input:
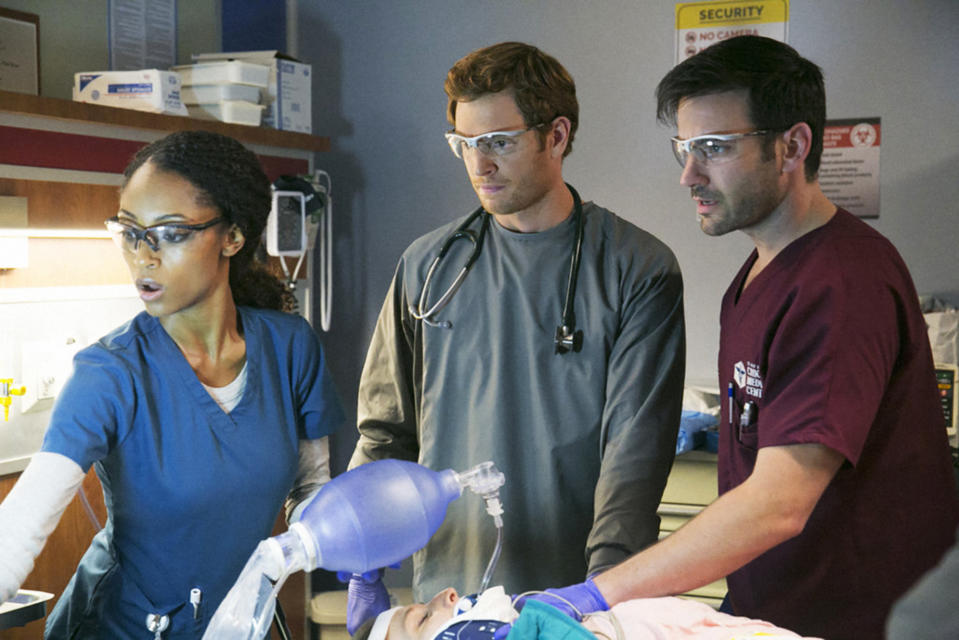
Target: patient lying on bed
pixel 491 615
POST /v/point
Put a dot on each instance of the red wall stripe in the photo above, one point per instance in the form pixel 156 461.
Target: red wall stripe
pixel 56 150
pixel 276 166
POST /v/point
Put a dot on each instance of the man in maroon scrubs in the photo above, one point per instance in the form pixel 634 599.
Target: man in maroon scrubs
pixel 836 488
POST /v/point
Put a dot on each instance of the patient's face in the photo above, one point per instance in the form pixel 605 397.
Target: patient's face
pixel 421 621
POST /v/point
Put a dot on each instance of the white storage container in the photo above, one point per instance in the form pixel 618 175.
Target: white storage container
pixel 232 111
pixel 288 98
pixel 211 93
pixel 224 72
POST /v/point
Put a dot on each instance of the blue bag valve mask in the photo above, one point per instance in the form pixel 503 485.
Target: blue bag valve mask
pixel 370 517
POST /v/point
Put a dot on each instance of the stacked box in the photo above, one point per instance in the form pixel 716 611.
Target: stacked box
pixel 228 91
pixel 145 90
pixel 288 95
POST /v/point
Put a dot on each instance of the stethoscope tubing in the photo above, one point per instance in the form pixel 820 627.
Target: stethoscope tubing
pixel 569 315
pixel 463 231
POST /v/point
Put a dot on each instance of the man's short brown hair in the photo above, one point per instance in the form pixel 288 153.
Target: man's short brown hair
pixel 541 86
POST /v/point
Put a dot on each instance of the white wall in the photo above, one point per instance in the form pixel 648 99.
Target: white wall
pixel 379 67
pixel 74 37
pixel 40 330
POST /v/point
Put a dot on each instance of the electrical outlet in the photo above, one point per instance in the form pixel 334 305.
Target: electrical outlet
pixel 45 367
pixel 47 386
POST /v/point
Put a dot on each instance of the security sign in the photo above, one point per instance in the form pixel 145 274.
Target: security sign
pixel 700 24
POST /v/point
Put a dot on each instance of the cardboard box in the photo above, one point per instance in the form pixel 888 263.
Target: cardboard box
pixel 288 97
pixel 144 90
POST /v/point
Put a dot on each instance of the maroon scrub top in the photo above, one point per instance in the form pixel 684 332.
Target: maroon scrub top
pixel 828 345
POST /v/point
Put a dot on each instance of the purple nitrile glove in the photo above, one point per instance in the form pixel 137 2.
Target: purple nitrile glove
pixel 585 597
pixel 366 597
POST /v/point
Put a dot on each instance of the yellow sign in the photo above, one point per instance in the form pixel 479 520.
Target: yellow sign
pixel 697 15
pixel 701 24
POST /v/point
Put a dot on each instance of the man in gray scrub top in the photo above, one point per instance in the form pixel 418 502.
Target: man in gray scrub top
pixel 584 429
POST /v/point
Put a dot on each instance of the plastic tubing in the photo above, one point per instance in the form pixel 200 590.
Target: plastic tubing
pixel 485 480
pixel 494 559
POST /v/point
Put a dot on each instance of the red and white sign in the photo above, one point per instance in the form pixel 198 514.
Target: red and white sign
pixel 849 171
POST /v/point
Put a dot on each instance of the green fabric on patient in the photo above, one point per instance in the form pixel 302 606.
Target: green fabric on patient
pixel 540 621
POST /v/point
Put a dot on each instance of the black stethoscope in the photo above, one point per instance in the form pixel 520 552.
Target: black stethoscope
pixel 566 339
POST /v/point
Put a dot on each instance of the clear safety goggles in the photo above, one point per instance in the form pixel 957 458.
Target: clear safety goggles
pixel 157 237
pixel 497 143
pixel 714 148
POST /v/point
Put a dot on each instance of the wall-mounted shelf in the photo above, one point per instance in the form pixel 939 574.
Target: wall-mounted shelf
pixel 29 105
pixel 67 159
pixel 85 148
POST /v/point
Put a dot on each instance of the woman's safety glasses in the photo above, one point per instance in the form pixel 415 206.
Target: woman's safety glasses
pixel 497 143
pixel 714 148
pixel 157 237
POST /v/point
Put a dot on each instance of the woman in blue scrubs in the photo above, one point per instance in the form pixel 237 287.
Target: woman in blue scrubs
pixel 200 415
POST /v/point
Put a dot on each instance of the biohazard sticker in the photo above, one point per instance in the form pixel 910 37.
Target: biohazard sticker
pixel 849 171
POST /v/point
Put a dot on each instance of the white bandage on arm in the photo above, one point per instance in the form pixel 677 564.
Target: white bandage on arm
pixel 312 472
pixel 29 514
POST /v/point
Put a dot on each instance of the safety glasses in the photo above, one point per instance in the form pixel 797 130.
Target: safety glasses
pixel 497 143
pixel 714 148
pixel 157 237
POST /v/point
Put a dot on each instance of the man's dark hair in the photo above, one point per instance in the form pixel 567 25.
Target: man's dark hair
pixel 782 87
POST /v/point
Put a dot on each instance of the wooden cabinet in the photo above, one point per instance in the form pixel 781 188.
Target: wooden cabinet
pixel 690 488
pixel 64 548
pixel 67 159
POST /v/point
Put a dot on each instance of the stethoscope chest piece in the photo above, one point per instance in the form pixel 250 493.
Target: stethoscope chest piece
pixel 567 340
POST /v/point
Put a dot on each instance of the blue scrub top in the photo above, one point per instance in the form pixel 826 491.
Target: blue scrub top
pixel 190 490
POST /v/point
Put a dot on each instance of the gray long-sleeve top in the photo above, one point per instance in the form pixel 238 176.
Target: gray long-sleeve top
pixel 585 440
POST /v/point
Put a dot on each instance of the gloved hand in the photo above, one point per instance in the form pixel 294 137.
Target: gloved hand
pixel 585 597
pixel 366 597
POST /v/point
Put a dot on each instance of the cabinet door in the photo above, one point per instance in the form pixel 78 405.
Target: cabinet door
pixel 691 486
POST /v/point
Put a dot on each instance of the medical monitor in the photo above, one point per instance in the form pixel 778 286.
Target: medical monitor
pixel 286 226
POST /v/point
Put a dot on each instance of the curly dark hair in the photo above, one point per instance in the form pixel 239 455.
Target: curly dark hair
pixel 542 87
pixel 229 177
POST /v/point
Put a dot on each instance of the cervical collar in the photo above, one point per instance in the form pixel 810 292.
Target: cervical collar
pixel 490 611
